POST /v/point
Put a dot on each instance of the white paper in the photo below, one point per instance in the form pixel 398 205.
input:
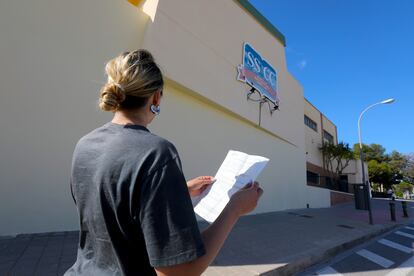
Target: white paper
pixel 237 170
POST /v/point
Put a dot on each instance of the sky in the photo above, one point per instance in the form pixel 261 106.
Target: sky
pixel 348 55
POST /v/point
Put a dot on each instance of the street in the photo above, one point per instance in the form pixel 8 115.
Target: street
pixel 390 254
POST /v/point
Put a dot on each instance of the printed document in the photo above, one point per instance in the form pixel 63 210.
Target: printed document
pixel 237 170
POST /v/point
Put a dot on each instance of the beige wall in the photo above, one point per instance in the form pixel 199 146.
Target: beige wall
pixel 202 54
pixel 354 171
pixel 330 128
pixel 203 151
pixel 313 139
pixel 53 66
pixel 52 57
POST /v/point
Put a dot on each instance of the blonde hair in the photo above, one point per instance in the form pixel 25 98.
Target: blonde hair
pixel 133 77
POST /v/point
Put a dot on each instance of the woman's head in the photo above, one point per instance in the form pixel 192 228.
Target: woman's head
pixel 133 78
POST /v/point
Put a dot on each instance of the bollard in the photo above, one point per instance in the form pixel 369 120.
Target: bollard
pixel 404 207
pixel 392 210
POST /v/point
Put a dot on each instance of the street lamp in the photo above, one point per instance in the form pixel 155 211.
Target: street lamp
pixel 361 155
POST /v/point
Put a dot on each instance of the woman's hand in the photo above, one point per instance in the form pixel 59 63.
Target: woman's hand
pixel 197 185
pixel 245 200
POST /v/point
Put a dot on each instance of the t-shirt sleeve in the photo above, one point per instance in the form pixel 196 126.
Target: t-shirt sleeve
pixel 167 218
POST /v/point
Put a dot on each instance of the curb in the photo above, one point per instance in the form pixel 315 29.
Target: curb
pixel 305 261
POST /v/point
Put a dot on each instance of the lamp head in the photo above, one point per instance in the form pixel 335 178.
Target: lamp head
pixel 388 101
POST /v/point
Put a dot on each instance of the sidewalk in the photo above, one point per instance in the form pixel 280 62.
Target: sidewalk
pixel 278 243
pixel 283 243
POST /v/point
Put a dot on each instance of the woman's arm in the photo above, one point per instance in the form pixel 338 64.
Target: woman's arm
pixel 214 236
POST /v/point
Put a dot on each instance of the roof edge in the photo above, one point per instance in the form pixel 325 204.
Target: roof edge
pixel 317 109
pixel 262 20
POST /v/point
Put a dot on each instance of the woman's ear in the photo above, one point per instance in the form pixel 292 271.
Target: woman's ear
pixel 156 100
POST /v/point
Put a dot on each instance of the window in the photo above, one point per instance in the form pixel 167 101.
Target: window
pixel 328 137
pixel 312 178
pixel 310 123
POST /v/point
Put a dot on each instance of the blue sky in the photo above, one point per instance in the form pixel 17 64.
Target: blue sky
pixel 348 55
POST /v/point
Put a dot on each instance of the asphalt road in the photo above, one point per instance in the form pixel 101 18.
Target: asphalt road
pixel 390 254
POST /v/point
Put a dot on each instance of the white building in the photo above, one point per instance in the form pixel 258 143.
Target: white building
pixel 53 55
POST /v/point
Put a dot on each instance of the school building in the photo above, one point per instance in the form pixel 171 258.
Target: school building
pixel 227 87
pixel 318 131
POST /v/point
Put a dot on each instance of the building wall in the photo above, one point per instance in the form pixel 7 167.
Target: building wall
pixel 313 139
pixel 55 53
pixel 52 69
pixel 202 152
pixel 354 171
pixel 203 54
pixel 202 59
pixel 330 128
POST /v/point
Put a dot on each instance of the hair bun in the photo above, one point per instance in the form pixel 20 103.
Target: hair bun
pixel 111 97
pixel 139 76
pixel 145 55
pixel 140 56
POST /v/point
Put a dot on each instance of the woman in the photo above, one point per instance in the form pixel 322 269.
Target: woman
pixel 136 216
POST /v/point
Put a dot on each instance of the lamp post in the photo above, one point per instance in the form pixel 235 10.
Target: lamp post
pixel 361 155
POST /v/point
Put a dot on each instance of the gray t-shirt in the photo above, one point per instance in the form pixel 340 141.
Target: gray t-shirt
pixel 133 203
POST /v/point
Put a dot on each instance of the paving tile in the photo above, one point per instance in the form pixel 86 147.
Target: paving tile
pixel 24 268
pixel 55 246
pixel 34 249
pixel 52 273
pixel 55 243
pixel 68 259
pixel 46 261
pixel 37 244
pixel 5 242
pixel 70 245
pixel 7 259
pixel 72 234
pixel 20 241
pixel 27 262
pixel 5 267
pixel 63 267
pixel 16 250
pixel 47 268
pixel 72 237
pixel 52 254
pixel 22 272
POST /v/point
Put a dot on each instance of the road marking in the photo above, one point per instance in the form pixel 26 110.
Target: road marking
pixel 404 234
pixel 375 258
pixel 328 271
pixel 409 228
pixel 404 269
pixel 395 245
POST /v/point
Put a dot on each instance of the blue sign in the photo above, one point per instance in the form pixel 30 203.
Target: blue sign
pixel 258 73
